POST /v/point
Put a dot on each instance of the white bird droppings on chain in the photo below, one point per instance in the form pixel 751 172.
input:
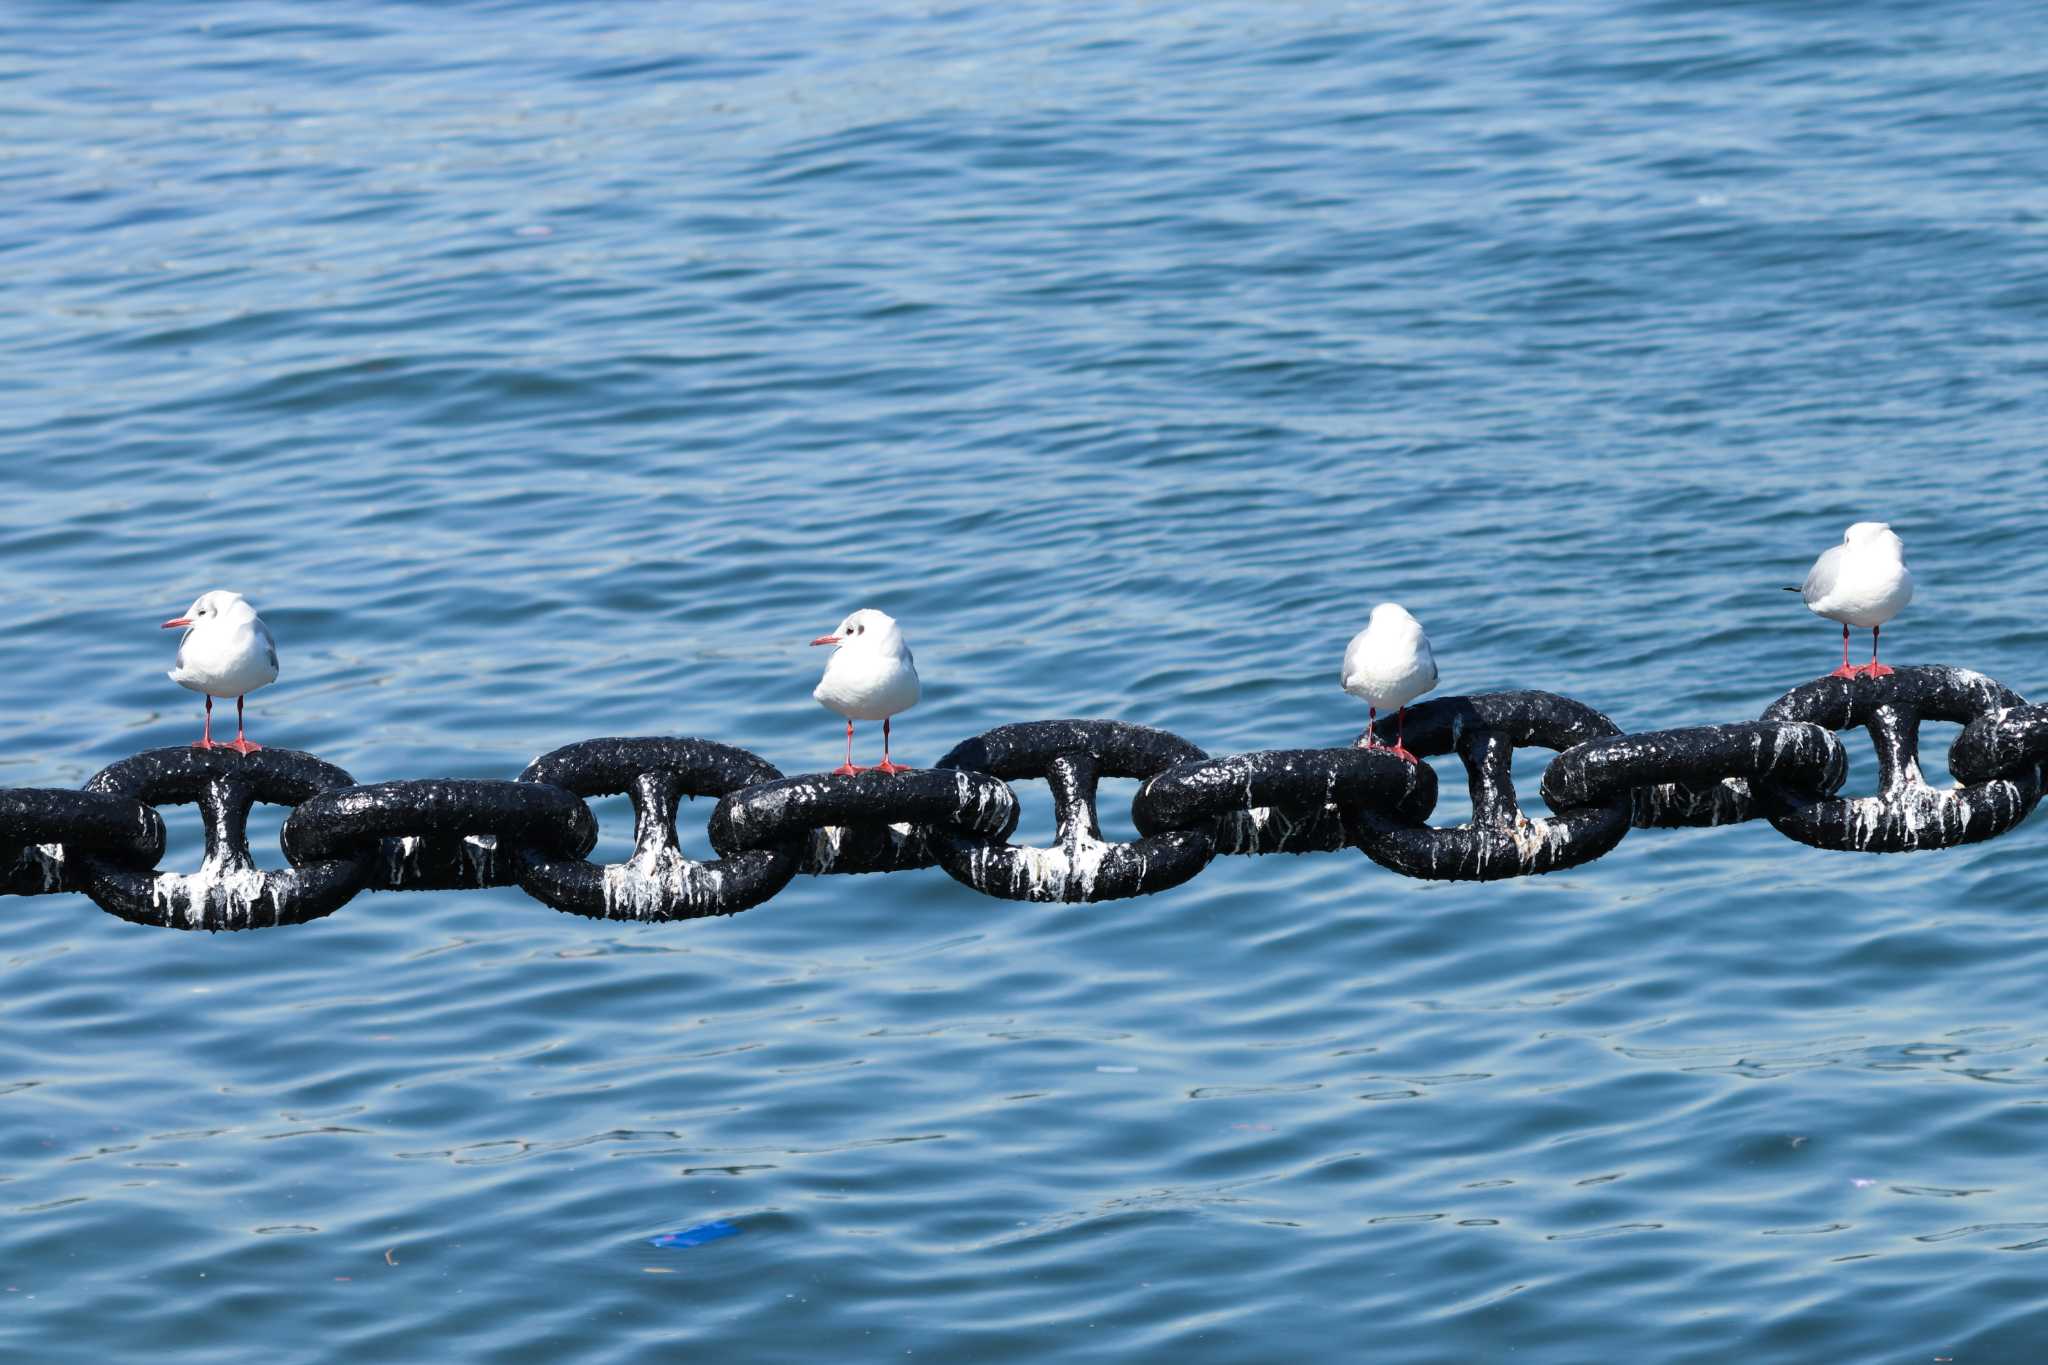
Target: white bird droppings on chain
pixel 44 862
pixel 1063 871
pixel 480 856
pixel 651 884
pixel 232 894
pixel 401 859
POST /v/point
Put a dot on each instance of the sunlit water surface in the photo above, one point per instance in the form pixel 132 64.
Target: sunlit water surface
pixel 548 371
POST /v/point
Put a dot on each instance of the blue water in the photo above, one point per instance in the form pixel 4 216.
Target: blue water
pixel 549 371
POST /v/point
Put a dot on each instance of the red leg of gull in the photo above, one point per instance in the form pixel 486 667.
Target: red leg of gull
pixel 886 765
pixel 205 740
pixel 1874 669
pixel 847 767
pixel 1372 715
pixel 1847 670
pixel 1400 749
pixel 242 745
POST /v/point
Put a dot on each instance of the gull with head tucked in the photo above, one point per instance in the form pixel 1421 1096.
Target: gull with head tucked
pixel 1863 581
pixel 870 676
pixel 1389 663
pixel 226 652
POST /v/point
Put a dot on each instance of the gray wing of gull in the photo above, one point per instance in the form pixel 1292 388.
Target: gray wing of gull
pixel 1350 667
pixel 1822 577
pixel 269 645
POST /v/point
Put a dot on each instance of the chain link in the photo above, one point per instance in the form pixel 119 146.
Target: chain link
pixel 342 838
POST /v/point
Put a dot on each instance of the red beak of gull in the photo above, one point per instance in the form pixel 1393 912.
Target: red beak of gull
pixel 181 621
pixel 821 640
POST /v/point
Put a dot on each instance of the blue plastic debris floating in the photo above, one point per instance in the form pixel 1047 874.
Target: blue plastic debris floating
pixel 696 1236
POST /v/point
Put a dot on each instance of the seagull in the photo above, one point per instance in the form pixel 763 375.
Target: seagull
pixel 1863 581
pixel 1389 664
pixel 227 652
pixel 870 676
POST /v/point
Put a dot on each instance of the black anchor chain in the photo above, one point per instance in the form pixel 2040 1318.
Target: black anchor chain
pixel 1072 756
pixel 38 828
pixel 1906 813
pixel 1499 841
pixel 459 834
pixel 866 821
pixel 438 834
pixel 657 882
pixel 1700 775
pixel 1285 800
pixel 228 891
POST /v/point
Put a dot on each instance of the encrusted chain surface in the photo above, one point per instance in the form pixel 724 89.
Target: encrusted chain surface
pixel 343 838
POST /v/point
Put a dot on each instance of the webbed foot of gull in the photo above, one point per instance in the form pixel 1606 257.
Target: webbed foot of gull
pixel 846 770
pixel 1847 671
pixel 1398 752
pixel 244 747
pixel 885 766
pixel 1874 671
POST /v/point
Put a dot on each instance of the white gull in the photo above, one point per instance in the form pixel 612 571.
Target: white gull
pixel 226 652
pixel 1389 663
pixel 1863 581
pixel 870 676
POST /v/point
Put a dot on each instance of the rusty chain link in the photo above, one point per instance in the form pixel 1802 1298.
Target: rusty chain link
pixel 342 838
